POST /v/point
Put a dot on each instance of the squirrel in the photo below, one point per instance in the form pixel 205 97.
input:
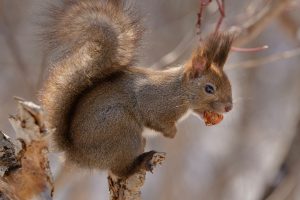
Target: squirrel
pixel 99 102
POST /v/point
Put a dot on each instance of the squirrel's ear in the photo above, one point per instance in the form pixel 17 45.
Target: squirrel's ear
pixel 196 65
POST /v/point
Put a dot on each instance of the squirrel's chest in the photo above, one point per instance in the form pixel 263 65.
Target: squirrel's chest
pixel 161 111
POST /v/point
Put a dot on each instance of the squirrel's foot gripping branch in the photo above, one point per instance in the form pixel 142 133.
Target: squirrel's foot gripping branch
pixel 24 166
pixel 130 188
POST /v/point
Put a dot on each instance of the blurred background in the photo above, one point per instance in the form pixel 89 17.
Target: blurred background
pixel 254 154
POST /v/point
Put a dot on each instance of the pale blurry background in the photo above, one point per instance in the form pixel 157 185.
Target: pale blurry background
pixel 252 155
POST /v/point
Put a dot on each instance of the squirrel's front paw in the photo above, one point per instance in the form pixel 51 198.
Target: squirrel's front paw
pixel 171 132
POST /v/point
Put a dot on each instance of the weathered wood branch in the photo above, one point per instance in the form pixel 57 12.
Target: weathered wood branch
pixel 24 163
pixel 130 188
pixel 287 183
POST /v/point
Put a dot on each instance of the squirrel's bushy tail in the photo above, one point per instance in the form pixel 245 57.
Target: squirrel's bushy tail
pixel 88 40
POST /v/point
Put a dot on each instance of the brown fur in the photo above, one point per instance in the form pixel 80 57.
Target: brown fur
pixel 99 102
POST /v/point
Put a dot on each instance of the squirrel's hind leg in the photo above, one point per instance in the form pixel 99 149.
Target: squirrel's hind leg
pixel 143 161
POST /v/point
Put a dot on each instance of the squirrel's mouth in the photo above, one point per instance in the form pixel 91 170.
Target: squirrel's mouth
pixel 210 118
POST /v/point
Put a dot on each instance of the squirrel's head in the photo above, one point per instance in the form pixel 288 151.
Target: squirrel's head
pixel 207 85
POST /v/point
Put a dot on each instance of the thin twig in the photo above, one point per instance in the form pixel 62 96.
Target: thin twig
pixel 173 55
pixel 203 5
pixel 257 23
pixel 265 60
pixel 254 49
pixel 221 6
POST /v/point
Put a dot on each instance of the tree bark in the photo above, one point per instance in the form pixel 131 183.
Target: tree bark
pixel 25 171
pixel 130 188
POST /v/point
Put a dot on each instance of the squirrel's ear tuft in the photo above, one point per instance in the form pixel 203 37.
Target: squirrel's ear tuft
pixel 225 42
pixel 217 46
pixel 213 50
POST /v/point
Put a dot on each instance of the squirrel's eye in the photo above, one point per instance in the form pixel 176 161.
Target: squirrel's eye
pixel 209 89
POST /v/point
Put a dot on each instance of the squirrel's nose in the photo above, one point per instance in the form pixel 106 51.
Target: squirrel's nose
pixel 228 107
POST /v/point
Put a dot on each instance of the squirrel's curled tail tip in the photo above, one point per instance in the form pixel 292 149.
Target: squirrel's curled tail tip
pixel 108 24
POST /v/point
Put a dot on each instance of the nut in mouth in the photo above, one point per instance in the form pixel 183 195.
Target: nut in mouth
pixel 210 117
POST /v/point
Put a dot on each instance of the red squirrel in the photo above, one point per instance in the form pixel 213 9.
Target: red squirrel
pixel 99 102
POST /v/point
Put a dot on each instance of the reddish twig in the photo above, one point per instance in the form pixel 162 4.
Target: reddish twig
pixel 203 5
pixel 221 7
pixel 254 49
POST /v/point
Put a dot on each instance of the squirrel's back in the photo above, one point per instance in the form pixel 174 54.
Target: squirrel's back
pixel 88 41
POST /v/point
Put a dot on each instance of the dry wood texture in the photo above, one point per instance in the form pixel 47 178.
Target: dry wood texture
pixel 130 188
pixel 24 163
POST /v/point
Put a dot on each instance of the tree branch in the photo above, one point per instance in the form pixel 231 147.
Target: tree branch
pixel 287 184
pixel 257 23
pixel 24 163
pixel 130 188
pixel 265 60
